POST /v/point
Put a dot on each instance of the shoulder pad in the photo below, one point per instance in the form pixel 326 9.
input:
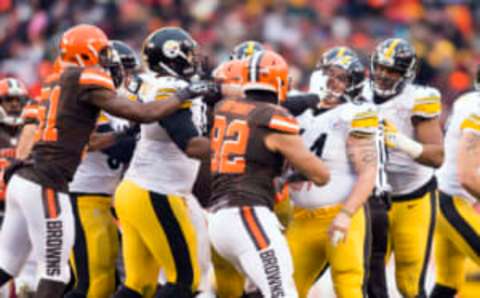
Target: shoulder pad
pixel 364 119
pixel 471 123
pixel 95 76
pixel 427 102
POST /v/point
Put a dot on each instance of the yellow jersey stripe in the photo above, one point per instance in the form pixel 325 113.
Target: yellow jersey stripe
pixel 431 108
pixel 470 124
pixel 365 122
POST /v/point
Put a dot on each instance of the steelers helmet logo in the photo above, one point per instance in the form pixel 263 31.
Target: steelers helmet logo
pixel 171 48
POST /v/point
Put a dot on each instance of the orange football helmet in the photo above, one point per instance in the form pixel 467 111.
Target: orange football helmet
pixel 11 87
pixel 266 70
pixel 229 72
pixel 82 45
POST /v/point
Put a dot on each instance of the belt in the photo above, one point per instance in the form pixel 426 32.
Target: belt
pixel 418 193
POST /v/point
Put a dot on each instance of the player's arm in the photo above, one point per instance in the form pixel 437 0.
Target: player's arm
pixel 427 145
pixel 120 106
pixel 468 163
pixel 362 153
pixel 185 135
pixel 429 134
pixel 26 141
pixel 292 147
pixel 99 90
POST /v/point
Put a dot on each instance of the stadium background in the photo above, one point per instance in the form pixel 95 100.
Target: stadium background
pixel 442 31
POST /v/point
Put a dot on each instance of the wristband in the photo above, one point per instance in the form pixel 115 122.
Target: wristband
pixel 347 212
pixel 409 146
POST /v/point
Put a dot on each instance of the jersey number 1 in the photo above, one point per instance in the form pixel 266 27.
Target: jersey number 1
pixel 47 115
pixel 228 145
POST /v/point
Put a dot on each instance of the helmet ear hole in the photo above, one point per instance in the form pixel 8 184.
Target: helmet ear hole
pixel 85 57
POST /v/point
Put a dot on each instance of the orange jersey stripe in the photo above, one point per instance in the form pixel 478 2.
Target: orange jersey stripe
pixel 52 208
pixel 285 124
pixel 254 229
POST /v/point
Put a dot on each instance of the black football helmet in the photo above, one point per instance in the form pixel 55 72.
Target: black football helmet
pixel 127 55
pixel 356 74
pixel 246 49
pixel 170 50
pixel 397 55
pixel 333 53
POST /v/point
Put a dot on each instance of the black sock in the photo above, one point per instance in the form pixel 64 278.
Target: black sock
pixel 125 292
pixel 50 289
pixel 440 291
pixel 174 291
pixel 4 277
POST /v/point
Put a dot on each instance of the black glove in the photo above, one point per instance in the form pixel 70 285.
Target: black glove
pixel 196 89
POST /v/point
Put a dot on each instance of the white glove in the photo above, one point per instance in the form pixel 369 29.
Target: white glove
pixel 339 227
pixel 396 140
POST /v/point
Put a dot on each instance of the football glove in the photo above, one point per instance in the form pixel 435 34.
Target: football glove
pixel 197 89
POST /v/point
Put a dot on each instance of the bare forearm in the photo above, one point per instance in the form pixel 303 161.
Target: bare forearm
pixel 26 141
pixel 432 155
pixel 154 111
pixel 198 148
pixel 361 191
pixel 362 153
pixel 314 169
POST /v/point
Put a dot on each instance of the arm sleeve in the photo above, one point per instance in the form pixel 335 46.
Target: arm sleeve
pixel 276 119
pixel 364 122
pixel 471 123
pixel 180 127
pixel 297 104
pixel 429 105
pixel 93 79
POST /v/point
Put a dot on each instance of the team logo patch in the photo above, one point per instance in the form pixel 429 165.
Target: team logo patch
pixel 171 48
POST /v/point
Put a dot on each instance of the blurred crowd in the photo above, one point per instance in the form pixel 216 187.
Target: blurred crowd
pixel 442 31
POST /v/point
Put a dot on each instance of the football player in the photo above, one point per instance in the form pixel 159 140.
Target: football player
pixel 330 224
pixel 96 241
pixel 415 147
pixel 13 96
pixel 14 114
pixel 151 201
pixel 457 236
pixel 250 139
pixel 39 214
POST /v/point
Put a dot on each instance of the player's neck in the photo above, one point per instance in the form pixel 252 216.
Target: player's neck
pixel 264 96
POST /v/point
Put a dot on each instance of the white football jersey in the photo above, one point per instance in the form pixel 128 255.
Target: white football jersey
pixel 465 116
pixel 98 173
pixel 405 174
pixel 326 135
pixel 158 164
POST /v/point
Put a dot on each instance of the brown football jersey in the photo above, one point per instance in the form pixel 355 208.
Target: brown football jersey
pixel 66 120
pixel 242 167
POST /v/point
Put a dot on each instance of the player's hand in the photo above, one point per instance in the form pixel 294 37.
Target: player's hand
pixel 396 140
pixel 197 89
pixel 391 134
pixel 339 228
